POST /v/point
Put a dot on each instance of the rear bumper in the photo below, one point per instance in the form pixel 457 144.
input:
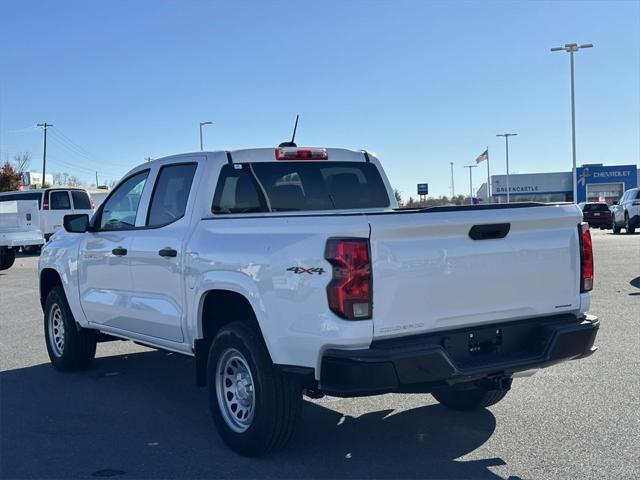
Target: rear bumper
pixel 425 362
pixel 599 222
pixel 21 240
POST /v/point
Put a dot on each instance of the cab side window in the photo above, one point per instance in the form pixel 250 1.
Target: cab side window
pixel 170 194
pixel 121 208
pixel 60 200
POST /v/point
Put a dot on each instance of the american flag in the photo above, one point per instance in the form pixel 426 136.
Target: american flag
pixel 483 156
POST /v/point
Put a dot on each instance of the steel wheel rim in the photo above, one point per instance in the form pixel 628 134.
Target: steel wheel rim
pixel 56 330
pixel 235 390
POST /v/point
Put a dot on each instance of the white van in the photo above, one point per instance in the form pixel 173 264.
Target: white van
pixel 54 204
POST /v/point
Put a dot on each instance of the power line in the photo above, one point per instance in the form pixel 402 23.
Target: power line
pixel 68 164
pixel 83 151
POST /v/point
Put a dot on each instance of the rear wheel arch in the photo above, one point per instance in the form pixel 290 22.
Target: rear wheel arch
pixel 220 307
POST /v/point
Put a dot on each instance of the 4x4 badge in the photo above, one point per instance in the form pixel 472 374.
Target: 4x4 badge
pixel 310 271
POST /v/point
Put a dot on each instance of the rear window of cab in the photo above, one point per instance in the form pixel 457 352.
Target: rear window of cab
pixel 298 186
pixel 595 207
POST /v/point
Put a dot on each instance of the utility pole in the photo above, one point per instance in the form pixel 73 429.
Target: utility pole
pixel 506 143
pixel 148 159
pixel 470 167
pixel 96 179
pixel 572 48
pixel 44 126
pixel 453 190
pixel 201 125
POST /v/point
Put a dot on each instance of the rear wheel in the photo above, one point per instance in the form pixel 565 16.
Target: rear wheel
pixel 69 347
pixel 469 398
pixel 7 258
pixel 255 408
pixel 627 225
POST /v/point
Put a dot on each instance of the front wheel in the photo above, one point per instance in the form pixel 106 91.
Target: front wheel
pixel 69 347
pixel 615 227
pixel 255 407
pixel 471 398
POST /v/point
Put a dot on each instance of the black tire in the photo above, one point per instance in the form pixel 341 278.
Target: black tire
pixel 78 346
pixel 7 258
pixel 277 398
pixel 628 228
pixel 615 227
pixel 470 398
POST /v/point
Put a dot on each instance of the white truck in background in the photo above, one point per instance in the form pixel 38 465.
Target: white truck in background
pixel 54 203
pixel 19 226
pixel 291 270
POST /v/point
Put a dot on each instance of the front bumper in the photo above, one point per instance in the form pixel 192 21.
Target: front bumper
pixel 423 363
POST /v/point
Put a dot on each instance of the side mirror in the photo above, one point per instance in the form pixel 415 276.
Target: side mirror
pixel 77 223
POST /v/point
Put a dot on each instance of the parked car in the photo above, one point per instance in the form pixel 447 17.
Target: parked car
pixel 54 204
pixel 626 213
pixel 19 220
pixel 291 271
pixel 596 214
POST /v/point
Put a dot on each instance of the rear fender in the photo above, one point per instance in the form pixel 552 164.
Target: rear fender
pixel 238 283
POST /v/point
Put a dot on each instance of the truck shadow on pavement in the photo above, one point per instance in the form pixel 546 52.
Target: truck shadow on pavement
pixel 141 416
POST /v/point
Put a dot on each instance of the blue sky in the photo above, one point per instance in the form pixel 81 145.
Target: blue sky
pixel 421 84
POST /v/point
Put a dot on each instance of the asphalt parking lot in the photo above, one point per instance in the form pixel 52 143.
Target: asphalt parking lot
pixel 138 414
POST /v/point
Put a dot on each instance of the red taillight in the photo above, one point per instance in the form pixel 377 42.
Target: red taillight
pixel 295 153
pixel 45 202
pixel 350 290
pixel 93 204
pixel 586 258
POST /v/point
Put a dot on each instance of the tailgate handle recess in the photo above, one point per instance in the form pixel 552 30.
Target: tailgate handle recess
pixel 489 232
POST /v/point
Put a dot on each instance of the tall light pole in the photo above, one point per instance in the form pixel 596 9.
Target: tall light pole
pixel 44 126
pixel 453 190
pixel 470 167
pixel 201 125
pixel 506 144
pixel 572 48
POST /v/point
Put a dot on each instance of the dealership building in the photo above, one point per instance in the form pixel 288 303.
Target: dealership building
pixel 596 182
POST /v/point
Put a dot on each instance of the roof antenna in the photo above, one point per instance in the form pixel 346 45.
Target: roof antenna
pixel 292 143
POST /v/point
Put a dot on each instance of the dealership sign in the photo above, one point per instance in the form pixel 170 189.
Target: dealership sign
pixel 423 189
pixel 627 175
pixel 531 183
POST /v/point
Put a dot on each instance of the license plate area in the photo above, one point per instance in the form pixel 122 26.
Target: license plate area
pixel 484 342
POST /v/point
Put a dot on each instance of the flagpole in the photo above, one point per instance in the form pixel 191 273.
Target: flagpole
pixel 488 179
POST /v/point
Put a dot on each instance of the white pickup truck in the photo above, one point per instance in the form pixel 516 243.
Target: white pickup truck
pixel 19 220
pixel 290 270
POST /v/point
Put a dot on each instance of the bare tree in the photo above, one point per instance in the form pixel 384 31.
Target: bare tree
pixel 74 181
pixel 21 162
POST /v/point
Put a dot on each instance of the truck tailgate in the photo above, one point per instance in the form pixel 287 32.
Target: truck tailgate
pixel 429 274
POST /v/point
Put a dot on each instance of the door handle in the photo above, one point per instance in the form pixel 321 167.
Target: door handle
pixel 168 252
pixel 119 252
